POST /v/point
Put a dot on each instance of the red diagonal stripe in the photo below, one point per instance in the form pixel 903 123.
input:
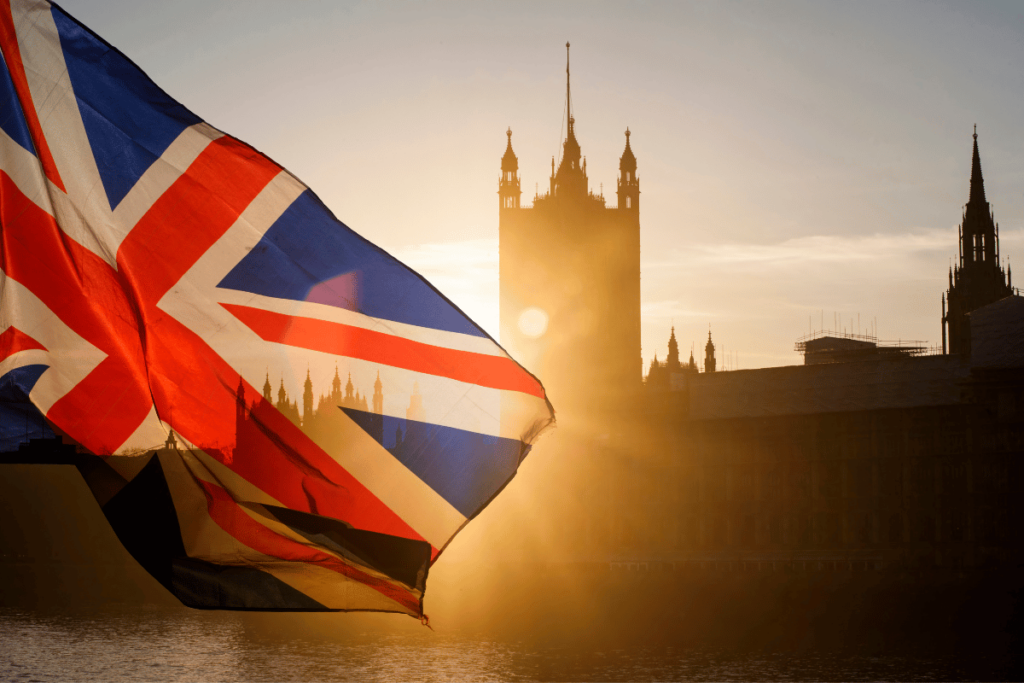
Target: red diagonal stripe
pixel 228 516
pixel 496 372
pixel 82 291
pixel 14 340
pixel 189 218
pixel 12 55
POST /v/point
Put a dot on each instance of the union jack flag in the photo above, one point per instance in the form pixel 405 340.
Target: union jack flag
pixel 155 273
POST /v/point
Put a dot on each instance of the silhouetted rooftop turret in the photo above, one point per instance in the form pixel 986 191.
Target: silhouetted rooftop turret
pixel 628 160
pixel 509 162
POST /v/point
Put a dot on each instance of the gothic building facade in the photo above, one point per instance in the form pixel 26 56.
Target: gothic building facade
pixel 572 263
pixel 663 374
pixel 978 278
pixel 864 458
pixel 670 373
pixel 320 423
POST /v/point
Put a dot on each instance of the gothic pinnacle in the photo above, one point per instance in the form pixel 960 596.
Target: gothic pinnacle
pixel 977 180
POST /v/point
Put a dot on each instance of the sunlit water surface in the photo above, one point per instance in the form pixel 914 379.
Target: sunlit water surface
pixel 154 643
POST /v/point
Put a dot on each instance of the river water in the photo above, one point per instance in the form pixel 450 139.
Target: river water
pixel 141 643
pixel 65 617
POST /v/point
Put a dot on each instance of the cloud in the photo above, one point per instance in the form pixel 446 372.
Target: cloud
pixel 672 308
pixel 760 297
pixel 828 249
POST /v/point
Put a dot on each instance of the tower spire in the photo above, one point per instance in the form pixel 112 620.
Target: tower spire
pixel 571 177
pixel 979 278
pixel 977 181
pixel 568 91
pixel 571 120
pixel 307 400
pixel 673 351
pixel 710 363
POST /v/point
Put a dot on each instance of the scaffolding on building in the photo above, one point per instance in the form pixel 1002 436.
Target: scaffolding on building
pixel 830 346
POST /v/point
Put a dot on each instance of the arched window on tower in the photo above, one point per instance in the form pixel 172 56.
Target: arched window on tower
pixel 629 202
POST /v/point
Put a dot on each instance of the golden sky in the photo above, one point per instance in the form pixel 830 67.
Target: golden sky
pixel 797 161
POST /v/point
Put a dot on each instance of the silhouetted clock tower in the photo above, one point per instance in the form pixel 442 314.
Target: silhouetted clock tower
pixel 570 277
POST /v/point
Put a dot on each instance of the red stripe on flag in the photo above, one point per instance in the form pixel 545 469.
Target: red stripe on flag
pixel 189 218
pixel 232 519
pixel 14 340
pixel 496 372
pixel 12 55
pixel 82 290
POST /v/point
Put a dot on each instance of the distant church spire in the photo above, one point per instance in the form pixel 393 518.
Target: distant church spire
pixel 978 279
pixel 977 182
pixel 979 235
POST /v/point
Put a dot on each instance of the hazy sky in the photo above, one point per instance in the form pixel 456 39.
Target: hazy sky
pixel 794 158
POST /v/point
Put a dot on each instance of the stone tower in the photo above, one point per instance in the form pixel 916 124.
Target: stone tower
pixel 570 277
pixel 978 278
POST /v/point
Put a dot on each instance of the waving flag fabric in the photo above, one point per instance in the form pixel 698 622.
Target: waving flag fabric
pixel 273 412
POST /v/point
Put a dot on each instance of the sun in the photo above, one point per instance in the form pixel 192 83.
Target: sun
pixel 533 322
